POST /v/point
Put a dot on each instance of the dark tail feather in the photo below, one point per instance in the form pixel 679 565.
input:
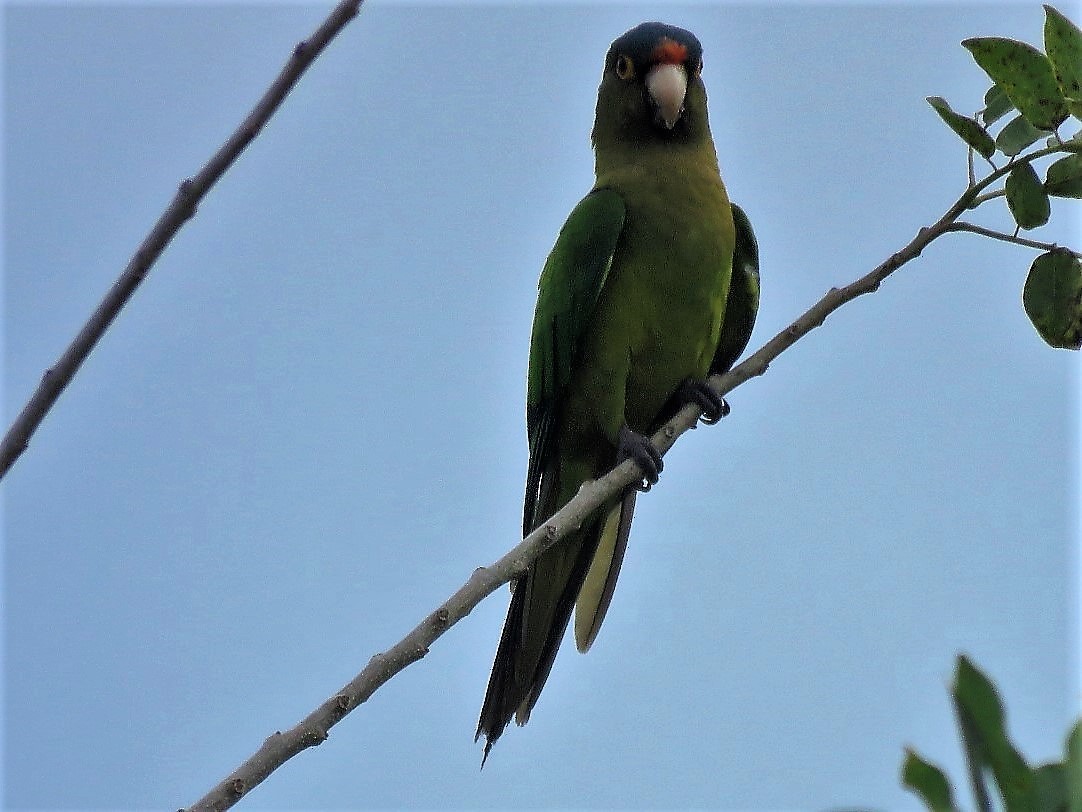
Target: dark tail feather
pixel 541 607
pixel 502 695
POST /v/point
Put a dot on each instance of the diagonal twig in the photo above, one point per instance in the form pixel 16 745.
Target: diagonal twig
pixel 314 729
pixel 972 228
pixel 183 206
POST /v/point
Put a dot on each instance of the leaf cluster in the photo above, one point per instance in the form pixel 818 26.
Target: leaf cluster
pixel 994 761
pixel 1044 90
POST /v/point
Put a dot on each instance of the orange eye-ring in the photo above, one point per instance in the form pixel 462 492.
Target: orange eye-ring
pixel 625 68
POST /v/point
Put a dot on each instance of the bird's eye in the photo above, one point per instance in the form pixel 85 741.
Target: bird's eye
pixel 699 67
pixel 625 68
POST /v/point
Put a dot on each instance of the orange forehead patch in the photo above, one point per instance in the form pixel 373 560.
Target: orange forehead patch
pixel 669 52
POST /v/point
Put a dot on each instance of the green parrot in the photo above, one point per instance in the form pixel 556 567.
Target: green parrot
pixel 652 286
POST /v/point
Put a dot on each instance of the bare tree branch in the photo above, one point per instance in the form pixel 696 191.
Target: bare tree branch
pixel 180 210
pixel 314 729
pixel 989 196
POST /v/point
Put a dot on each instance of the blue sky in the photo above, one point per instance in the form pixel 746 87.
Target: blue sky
pixel 306 430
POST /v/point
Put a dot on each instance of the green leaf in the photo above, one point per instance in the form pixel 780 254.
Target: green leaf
pixel 1064 177
pixel 981 714
pixel 1052 298
pixel 1026 76
pixel 1017 135
pixel 967 129
pixel 1073 765
pixel 1026 197
pixel 1051 782
pixel 996 105
pixel 1063 42
pixel 927 781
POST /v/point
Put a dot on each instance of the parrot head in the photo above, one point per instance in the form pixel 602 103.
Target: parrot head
pixel 651 88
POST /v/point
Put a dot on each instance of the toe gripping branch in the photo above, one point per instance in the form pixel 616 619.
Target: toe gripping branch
pixel 714 406
pixel 638 447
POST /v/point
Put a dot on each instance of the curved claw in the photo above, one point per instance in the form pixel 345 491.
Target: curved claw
pixel 714 406
pixel 637 447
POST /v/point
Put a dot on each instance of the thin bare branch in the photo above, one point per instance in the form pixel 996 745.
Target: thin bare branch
pixel 972 228
pixel 180 210
pixel 313 730
pixel 988 196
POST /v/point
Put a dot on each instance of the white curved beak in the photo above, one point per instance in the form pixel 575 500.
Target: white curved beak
pixel 667 84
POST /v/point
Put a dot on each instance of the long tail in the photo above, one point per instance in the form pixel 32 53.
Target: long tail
pixel 597 589
pixel 587 562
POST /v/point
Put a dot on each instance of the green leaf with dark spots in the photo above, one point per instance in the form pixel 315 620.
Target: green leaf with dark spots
pixel 927 781
pixel 1052 298
pixel 967 129
pixel 1017 135
pixel 1063 42
pixel 1026 76
pixel 1064 177
pixel 1026 197
pixel 996 105
pixel 981 715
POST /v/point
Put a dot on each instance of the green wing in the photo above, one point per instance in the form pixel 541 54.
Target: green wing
pixel 570 285
pixel 743 303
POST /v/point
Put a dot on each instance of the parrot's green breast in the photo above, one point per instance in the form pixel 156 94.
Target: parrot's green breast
pixel 659 315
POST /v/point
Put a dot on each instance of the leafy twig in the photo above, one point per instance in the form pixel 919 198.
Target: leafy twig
pixel 180 210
